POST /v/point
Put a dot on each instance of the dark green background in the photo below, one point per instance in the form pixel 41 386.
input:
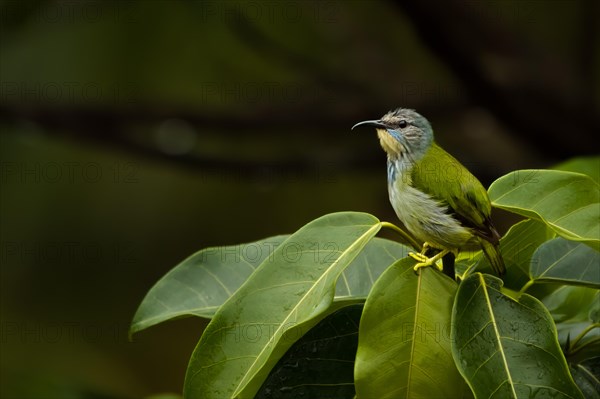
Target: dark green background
pixel 134 133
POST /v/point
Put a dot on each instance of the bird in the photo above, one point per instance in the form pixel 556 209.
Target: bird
pixel 437 199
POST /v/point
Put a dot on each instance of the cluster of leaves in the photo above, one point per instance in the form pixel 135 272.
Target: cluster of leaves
pixel 333 311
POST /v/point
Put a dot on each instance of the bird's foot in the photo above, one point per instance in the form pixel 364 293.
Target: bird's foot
pixel 424 261
pixel 419 257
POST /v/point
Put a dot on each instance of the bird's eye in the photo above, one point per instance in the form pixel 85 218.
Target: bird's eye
pixel 402 124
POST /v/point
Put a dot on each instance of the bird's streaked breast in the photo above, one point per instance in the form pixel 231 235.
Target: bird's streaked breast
pixel 426 218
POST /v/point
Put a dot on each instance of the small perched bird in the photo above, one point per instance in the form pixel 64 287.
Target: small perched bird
pixel 438 200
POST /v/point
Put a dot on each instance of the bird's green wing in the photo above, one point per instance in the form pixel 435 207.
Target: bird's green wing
pixel 441 176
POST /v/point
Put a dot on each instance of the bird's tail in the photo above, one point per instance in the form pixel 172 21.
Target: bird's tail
pixel 492 252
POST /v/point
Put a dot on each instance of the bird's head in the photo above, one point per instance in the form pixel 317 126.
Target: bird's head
pixel 402 132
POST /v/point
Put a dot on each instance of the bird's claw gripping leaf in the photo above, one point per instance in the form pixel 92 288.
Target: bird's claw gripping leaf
pixel 424 261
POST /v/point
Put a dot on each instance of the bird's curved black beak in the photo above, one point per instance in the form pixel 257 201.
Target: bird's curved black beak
pixel 374 123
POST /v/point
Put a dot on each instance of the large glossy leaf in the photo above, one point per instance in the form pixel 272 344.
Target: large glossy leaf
pixel 202 282
pixel 404 341
pixel 321 363
pixel 587 165
pixel 566 262
pixel 281 301
pixel 569 203
pixel 205 280
pixel 517 247
pixel 468 261
pixel 506 348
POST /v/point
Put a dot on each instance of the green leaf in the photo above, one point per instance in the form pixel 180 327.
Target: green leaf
pixel 587 165
pixel 282 299
pixel 517 247
pixel 569 203
pixel 196 287
pixel 321 363
pixel 404 345
pixel 468 260
pixel 587 377
pixel 594 313
pixel 572 303
pixel 202 282
pixel 506 348
pixel 357 279
pixel 566 262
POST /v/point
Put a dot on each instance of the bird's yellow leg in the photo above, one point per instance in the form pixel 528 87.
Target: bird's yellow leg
pixel 421 257
pixel 424 261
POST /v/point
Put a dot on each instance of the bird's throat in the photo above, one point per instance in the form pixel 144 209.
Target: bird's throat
pixel 389 144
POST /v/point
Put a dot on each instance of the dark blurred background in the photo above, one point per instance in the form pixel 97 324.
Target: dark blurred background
pixel 134 133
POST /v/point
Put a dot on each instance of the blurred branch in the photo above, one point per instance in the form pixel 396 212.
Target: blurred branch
pixel 110 127
pixel 76 116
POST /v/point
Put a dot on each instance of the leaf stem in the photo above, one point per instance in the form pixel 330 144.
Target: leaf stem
pixel 413 243
pixel 591 341
pixel 582 334
pixel 526 286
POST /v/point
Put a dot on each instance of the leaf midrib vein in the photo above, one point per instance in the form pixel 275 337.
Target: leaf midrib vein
pixel 414 332
pixel 495 326
pixel 309 291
